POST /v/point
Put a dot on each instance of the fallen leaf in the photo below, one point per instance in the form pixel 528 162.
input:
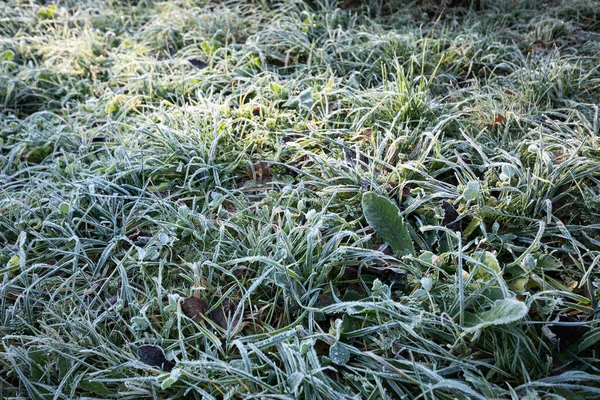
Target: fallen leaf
pixel 193 308
pixel 155 357
pixel 111 302
pixel 198 63
pixel 385 272
pixel 563 336
pixel 259 171
pixel 224 312
pixel 405 192
pixel 350 273
pixel 324 300
pixel 451 217
pixel 498 118
pixel 240 272
pixel 352 158
pixel 98 123
pixel 140 238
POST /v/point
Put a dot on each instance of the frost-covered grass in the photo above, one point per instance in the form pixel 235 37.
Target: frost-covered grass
pixel 132 181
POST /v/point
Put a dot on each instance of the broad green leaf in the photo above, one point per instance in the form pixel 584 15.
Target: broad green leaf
pixel 295 380
pixel 377 285
pixel 489 265
pixel 507 172
pixel 549 263
pixel 427 284
pixel 140 323
pixel 339 354
pixel 306 345
pixel 38 360
pixel 14 262
pixel 277 89
pixel 96 388
pixel 519 284
pixel 303 100
pixel 471 191
pixel 46 12
pixel 503 312
pixel 64 208
pixel 528 264
pixel 167 380
pixel 427 257
pixel 384 216
pixel 7 55
pixel 64 365
pixel 590 338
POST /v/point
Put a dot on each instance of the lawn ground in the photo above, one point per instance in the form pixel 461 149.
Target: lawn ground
pixel 256 199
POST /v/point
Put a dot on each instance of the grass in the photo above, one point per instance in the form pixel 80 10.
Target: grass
pixel 131 180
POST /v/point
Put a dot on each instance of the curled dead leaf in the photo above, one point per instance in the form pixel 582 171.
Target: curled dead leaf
pixel 451 218
pixel 155 357
pixel 563 336
pixel 224 313
pixel 259 171
pixel 198 63
pixel 193 308
pixel 498 118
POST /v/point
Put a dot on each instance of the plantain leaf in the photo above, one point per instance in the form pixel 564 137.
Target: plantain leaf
pixel 384 216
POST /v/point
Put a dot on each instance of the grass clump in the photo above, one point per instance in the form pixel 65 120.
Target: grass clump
pixel 299 199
